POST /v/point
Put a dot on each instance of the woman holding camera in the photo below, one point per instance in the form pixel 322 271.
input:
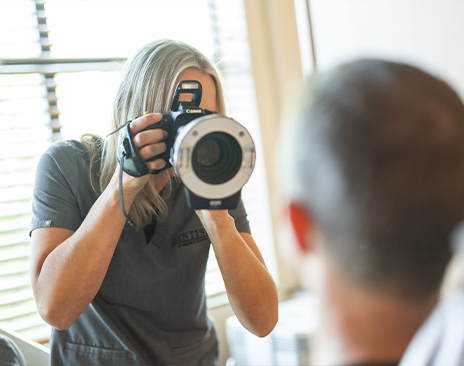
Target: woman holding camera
pixel 122 295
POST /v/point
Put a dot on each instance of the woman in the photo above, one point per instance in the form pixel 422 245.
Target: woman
pixel 111 298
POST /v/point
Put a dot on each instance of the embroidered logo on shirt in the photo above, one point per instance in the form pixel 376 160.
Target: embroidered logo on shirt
pixel 190 237
pixel 47 223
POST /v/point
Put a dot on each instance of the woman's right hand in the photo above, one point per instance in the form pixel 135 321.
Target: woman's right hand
pixel 148 143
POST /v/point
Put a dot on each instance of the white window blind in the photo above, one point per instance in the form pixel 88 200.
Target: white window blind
pixel 56 82
pixel 23 136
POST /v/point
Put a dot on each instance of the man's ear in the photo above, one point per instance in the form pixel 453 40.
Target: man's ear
pixel 303 226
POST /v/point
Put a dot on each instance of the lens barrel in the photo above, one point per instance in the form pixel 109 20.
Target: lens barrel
pixel 214 156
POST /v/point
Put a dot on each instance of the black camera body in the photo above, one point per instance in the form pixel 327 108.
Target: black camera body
pixel 213 155
pixel 179 115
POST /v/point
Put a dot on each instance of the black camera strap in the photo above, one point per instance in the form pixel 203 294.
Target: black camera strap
pixel 121 162
pixel 136 166
pixel 121 198
pixel 150 229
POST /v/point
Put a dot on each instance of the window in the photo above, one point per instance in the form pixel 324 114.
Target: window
pixel 58 73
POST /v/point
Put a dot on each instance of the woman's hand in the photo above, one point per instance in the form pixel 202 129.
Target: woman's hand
pixel 250 288
pixel 148 144
pixel 214 220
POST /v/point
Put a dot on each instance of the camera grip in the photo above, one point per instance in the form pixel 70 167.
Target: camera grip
pixel 127 156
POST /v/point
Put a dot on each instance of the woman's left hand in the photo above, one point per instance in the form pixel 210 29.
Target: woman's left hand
pixel 212 219
pixel 250 288
pixel 212 214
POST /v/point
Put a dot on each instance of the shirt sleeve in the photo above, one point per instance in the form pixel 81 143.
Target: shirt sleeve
pixel 55 201
pixel 10 355
pixel 240 216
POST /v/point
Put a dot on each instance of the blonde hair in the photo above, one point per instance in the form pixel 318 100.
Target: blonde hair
pixel 147 84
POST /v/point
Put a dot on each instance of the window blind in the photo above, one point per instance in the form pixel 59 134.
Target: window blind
pixel 23 136
pixel 29 122
pixel 58 83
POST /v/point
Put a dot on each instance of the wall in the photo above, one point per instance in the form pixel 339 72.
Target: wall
pixel 425 33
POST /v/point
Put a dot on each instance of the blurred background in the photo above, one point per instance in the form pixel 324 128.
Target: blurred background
pixel 60 64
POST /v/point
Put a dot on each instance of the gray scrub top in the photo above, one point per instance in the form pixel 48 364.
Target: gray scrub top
pixel 151 306
pixel 10 355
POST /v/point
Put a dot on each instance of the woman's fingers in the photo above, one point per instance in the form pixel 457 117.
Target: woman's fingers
pixel 149 143
pixel 155 164
pixel 148 151
pixel 145 138
pixel 149 137
pixel 143 122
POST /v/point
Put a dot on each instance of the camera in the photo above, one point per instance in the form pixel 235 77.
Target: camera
pixel 213 155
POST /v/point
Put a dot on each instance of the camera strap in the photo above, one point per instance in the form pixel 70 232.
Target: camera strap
pixel 122 153
pixel 131 163
pixel 121 198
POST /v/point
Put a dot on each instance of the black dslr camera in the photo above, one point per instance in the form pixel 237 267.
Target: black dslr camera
pixel 212 154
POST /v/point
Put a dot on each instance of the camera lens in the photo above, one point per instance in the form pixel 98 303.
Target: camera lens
pixel 217 158
pixel 208 153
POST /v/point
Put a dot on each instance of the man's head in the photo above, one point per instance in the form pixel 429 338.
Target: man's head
pixel 376 160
